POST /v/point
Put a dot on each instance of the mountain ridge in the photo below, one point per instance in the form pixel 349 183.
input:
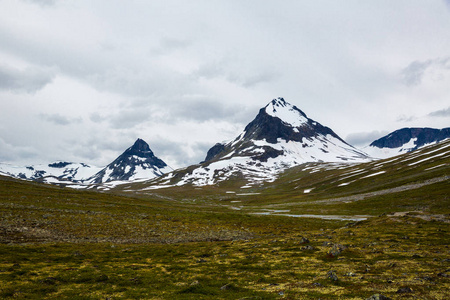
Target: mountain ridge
pixel 406 140
pixel 137 162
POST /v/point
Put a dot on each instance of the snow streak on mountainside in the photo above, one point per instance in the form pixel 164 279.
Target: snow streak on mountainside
pixel 281 136
pixel 405 140
pixel 137 163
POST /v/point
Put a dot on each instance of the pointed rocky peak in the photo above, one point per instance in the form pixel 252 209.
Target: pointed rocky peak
pixel 136 163
pixel 282 120
pixel 289 114
pixel 140 148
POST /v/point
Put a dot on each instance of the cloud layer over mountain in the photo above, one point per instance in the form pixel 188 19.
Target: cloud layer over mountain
pixel 81 80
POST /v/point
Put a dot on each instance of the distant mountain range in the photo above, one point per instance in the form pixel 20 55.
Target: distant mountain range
pixel 137 163
pixel 405 140
pixel 57 172
pixel 280 137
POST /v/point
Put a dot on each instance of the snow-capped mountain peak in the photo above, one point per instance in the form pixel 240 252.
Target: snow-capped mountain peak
pixel 137 163
pixel 281 136
pixel 287 113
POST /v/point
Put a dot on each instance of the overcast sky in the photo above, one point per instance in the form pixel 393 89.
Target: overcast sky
pixel 82 80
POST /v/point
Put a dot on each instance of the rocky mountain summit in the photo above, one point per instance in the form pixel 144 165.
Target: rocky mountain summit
pixel 136 163
pixel 282 130
pixel 281 136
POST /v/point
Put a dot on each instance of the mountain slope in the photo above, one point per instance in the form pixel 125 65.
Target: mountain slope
pixel 414 181
pixel 406 140
pixel 137 163
pixel 281 136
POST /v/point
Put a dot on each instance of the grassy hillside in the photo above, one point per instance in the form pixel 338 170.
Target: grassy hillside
pixel 416 181
pixel 207 243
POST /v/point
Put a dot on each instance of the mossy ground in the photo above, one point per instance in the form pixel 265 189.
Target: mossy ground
pixel 67 244
pixel 402 252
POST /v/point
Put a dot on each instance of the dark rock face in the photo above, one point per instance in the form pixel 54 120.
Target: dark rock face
pixel 402 136
pixel 124 166
pixel 216 149
pixel 142 150
pixel 60 165
pixel 272 128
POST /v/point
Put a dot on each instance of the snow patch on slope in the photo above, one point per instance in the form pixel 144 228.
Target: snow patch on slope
pixel 390 152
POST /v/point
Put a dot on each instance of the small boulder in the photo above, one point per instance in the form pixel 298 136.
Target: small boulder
pixel 304 240
pixel 332 275
pixel 404 290
pixel 378 297
pixel 308 247
pixel 336 250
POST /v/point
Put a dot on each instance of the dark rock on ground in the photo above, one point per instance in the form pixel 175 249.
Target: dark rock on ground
pixel 404 290
pixel 378 297
pixel 308 247
pixel 332 275
pixel 336 250
pixel 304 240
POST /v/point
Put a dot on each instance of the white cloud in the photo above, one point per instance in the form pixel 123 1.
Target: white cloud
pixel 183 76
pixel 360 139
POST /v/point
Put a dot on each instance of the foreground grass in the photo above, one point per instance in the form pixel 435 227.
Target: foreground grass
pixel 412 254
pixel 65 244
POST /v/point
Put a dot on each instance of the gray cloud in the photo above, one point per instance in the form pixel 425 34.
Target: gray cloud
pixel 165 66
pixel 405 118
pixel 447 2
pixel 440 113
pixel 9 152
pixel 178 154
pixel 415 71
pixel 130 117
pixel 97 118
pixel 168 45
pixel 203 110
pixel 58 119
pixel 99 149
pixel 29 80
pixel 155 110
pixel 247 77
pixel 360 139
pixel 42 2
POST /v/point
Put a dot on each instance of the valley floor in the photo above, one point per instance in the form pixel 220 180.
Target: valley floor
pixel 65 244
